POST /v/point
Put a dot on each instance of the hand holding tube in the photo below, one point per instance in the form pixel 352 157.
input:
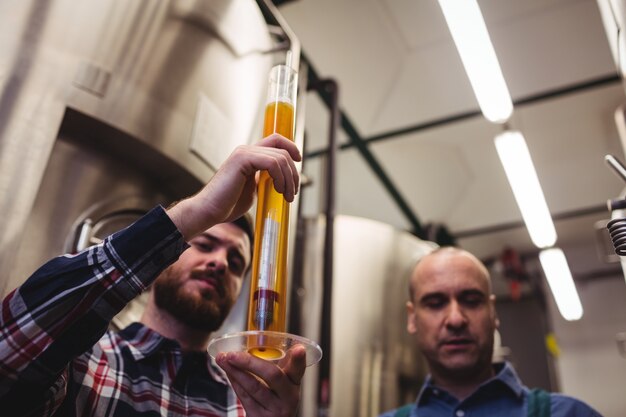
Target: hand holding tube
pixel 266 389
pixel 230 192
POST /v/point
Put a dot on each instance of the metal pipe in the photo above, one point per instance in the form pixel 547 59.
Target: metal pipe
pixel 273 16
pixel 330 89
pixel 571 214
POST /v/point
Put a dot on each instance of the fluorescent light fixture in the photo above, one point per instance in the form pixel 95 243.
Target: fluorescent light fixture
pixel 522 177
pixel 561 283
pixel 470 35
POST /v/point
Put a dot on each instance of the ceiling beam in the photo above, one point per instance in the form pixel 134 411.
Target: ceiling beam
pixel 559 92
pixel 357 142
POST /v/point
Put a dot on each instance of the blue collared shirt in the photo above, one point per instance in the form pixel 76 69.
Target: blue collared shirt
pixel 502 395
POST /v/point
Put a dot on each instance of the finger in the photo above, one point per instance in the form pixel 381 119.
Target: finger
pixel 277 161
pixel 273 161
pixel 295 174
pixel 276 140
pixel 290 178
pixel 250 404
pixel 295 364
pixel 274 408
pixel 280 384
pixel 245 384
pixel 278 171
pixel 265 384
pixel 248 363
pixel 250 388
pixel 283 171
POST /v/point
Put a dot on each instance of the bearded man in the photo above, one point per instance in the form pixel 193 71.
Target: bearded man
pixel 58 359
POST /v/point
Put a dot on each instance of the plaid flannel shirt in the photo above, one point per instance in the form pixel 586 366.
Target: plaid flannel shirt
pixel 58 359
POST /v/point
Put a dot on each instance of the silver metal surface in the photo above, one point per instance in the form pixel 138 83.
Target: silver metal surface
pixel 134 83
pixel 617 166
pixel 295 49
pixel 375 365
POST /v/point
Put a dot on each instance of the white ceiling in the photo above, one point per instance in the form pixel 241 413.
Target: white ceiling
pixel 397 67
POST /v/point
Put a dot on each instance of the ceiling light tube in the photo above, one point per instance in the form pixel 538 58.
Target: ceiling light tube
pixel 561 283
pixel 522 177
pixel 470 35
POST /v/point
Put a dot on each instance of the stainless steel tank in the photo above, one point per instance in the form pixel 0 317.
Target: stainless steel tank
pixel 375 365
pixel 111 100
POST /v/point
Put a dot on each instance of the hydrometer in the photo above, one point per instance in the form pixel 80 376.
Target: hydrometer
pixel 269 269
pixel 266 336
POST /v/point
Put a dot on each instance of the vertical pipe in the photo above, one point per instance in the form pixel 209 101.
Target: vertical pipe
pixel 331 89
pixel 272 16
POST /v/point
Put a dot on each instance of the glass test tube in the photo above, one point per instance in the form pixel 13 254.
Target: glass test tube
pixel 267 309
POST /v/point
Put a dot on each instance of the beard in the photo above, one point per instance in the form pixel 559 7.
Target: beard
pixel 198 310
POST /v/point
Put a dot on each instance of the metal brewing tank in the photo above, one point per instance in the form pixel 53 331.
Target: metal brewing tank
pixel 117 104
pixel 375 365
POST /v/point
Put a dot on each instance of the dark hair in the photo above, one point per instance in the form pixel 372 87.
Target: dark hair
pixel 245 223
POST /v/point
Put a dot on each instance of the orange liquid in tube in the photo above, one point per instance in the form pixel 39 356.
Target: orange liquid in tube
pixel 267 308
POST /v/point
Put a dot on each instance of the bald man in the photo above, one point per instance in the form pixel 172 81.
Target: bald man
pixel 451 313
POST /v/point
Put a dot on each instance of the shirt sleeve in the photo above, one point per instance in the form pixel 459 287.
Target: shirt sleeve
pixel 64 308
